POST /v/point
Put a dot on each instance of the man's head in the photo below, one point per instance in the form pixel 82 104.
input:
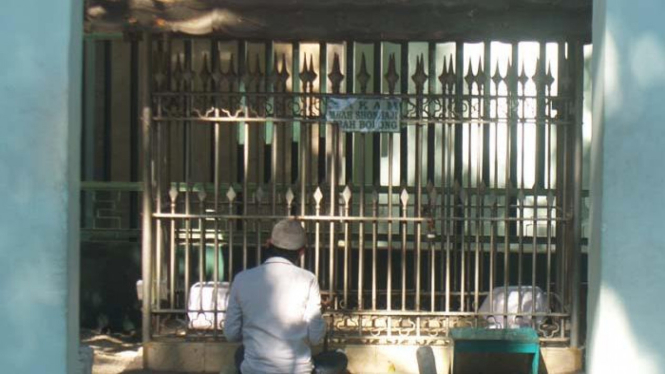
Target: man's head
pixel 288 240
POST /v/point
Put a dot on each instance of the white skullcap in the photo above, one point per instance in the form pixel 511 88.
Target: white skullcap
pixel 288 234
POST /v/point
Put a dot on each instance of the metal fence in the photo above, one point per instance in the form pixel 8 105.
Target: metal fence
pixel 409 232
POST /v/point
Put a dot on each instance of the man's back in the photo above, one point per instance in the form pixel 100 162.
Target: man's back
pixel 275 309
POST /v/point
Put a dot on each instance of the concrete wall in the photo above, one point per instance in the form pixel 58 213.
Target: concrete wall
pixel 40 69
pixel 627 254
pixel 210 357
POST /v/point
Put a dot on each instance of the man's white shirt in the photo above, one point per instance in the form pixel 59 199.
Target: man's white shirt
pixel 275 310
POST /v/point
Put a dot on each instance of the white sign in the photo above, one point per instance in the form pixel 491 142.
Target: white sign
pixel 354 114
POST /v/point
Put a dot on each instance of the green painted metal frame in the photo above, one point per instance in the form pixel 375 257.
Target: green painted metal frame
pixel 478 340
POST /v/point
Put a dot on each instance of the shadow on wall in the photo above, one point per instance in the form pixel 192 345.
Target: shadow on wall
pixel 626 299
pixel 109 272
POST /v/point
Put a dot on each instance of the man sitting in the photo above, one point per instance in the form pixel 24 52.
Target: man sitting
pixel 275 310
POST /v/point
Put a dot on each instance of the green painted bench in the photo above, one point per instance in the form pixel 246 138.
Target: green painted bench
pixel 478 340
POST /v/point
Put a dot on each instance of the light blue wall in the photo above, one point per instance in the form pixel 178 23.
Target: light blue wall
pixel 40 69
pixel 627 256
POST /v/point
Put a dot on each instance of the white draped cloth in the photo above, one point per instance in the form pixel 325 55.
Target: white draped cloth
pixel 531 300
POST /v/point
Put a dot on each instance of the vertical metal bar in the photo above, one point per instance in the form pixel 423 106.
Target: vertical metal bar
pixel 235 174
pixel 157 197
pixel 521 197
pixel 541 152
pixel 511 167
pixel 449 211
pixel 347 243
pixel 444 178
pixel 487 139
pixel 563 177
pixel 576 250
pixel 376 141
pixel 216 254
pixel 548 280
pixel 350 139
pixel 448 197
pixel 459 167
pixel 404 165
pixel 350 88
pixel 361 207
pixel 229 230
pixel 418 207
pixel 271 63
pixel 260 143
pixel 168 84
pixel 323 88
pixel 479 180
pixel 202 235
pixel 331 165
pixel 469 222
pixel 492 262
pixel 432 270
pixel 404 134
pixel 258 227
pixel 212 88
pixel 430 137
pixel 375 213
pixel 494 225
pixel 304 133
pixel 159 239
pixel 361 224
pixel 187 139
pixel 389 249
pixel 317 238
pixel 479 209
pixel 487 68
pixel 431 164
pixel 146 247
pixel 403 245
pixel 550 195
pixel 261 127
pixel 134 131
pixel 304 146
pixel 466 186
pixel 216 164
pixel 201 251
pixel 172 254
pixel 242 71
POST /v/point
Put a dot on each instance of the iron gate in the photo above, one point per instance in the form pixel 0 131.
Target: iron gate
pixel 409 232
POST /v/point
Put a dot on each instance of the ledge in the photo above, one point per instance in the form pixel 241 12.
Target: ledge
pixel 364 20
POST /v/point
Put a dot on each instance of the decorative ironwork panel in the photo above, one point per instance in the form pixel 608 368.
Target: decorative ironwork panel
pixel 411 233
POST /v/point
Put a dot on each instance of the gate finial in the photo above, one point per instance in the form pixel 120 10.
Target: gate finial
pixel 231 194
pixel 363 76
pixel 336 77
pixel 346 195
pixel 497 77
pixel 523 78
pixel 419 77
pixel 470 78
pixel 481 77
pixel 205 74
pixel 391 75
pixel 404 197
pixel 318 196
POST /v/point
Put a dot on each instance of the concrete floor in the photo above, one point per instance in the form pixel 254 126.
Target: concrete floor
pixel 123 354
pixel 117 354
